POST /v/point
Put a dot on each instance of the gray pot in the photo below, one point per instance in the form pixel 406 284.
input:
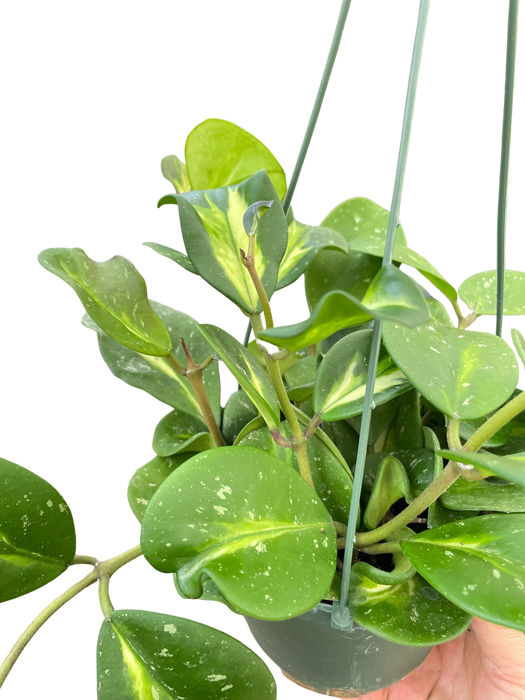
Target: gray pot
pixel 328 661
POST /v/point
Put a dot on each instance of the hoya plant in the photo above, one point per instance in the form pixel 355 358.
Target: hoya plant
pixel 248 504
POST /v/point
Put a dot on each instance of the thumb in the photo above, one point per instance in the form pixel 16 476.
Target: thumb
pixel 502 650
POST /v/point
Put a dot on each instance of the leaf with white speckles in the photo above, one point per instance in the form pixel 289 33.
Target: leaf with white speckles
pixel 154 374
pixel 465 374
pixel 392 296
pixel 340 384
pixel 115 296
pixel 181 432
pixel 37 535
pixel 147 479
pixel 478 564
pixel 151 656
pixel 400 605
pixel 480 293
pixel 511 468
pixel 248 521
pixel 364 224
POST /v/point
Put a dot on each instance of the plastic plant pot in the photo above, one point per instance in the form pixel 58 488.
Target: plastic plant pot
pixel 311 653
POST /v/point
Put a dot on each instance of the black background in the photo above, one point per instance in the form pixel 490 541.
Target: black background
pixel 108 93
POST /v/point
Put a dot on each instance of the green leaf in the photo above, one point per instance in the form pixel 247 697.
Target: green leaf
pixel 489 494
pixel 330 473
pixel 345 438
pixel 209 592
pixel 37 535
pixel 174 170
pixel 382 416
pixel 464 374
pixel 341 380
pixel 114 295
pixel 519 344
pixel 300 379
pixel 304 242
pixel 410 613
pixel 174 255
pixel 480 294
pixel 248 372
pixel 364 224
pixel 151 656
pixel 181 432
pixel 254 424
pixel 214 235
pixel 391 484
pixel 248 521
pixel 238 412
pixel 147 479
pixel 478 564
pixel 439 313
pixel 405 432
pixel 219 153
pixel 154 374
pixel 392 296
pixel 510 468
pixel 467 428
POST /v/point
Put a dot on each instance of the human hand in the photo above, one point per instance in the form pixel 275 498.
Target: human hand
pixel 487 662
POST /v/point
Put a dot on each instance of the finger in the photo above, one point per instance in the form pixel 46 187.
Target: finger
pixel 503 652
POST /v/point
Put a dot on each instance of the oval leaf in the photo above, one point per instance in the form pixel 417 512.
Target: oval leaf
pixel 37 535
pixel 115 296
pixel 154 374
pixel 405 432
pixel 465 374
pixel 248 372
pixel 341 380
pixel 478 564
pixel 238 412
pixel 220 153
pixel 411 613
pixel 392 296
pixel 252 524
pixel 181 432
pixel 365 225
pixel 214 235
pixel 147 479
pixel 480 294
pixel 151 656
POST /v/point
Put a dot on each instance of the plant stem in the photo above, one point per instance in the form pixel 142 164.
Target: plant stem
pixel 194 374
pixel 102 569
pixel 447 477
pixel 312 426
pixel 453 439
pixel 300 444
pixel 495 423
pixel 382 548
pixel 175 364
pixel 79 559
pixel 340 528
pixel 249 264
pixel 103 596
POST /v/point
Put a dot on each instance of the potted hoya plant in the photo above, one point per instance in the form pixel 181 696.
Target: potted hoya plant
pixel 360 496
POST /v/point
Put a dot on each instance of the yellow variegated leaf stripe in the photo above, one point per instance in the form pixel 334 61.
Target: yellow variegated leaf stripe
pixel 174 170
pixel 352 387
pixel 139 683
pixel 161 364
pixel 228 237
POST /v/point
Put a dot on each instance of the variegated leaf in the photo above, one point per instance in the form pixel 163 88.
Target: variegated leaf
pixel 174 255
pixel 175 171
pixel 304 242
pixel 391 484
pixel 341 380
pixel 214 235
pixel 220 153
pixel 364 225
pixel 181 432
pixel 479 292
pixel 248 372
